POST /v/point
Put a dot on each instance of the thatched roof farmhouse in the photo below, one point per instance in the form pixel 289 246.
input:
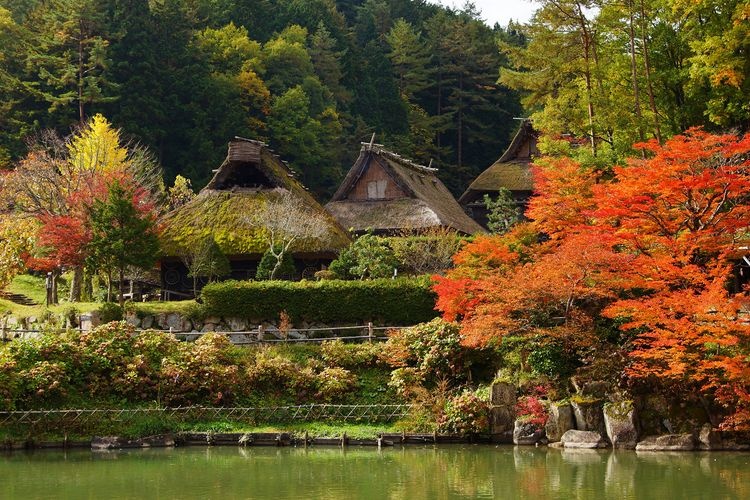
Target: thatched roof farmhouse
pixel 511 171
pixel 386 193
pixel 249 177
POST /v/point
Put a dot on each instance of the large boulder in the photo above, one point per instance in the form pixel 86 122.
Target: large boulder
pixel 560 421
pixel 503 394
pixel 709 439
pixel 620 423
pixel 583 439
pixel 503 411
pixel 237 324
pixel 589 415
pixel 667 442
pixel 526 433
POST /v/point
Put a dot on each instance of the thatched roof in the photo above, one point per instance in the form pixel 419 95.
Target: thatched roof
pixel 249 177
pixel 416 199
pixel 511 171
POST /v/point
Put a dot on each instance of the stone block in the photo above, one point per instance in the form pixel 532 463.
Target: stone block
pixel 503 394
pixel 709 439
pixel 667 442
pixel 528 434
pixel 589 416
pixel 583 439
pixel 560 421
pixel 621 424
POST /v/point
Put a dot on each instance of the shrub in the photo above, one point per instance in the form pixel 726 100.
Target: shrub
pixel 531 409
pixel 368 257
pixel 273 374
pixel 386 301
pixel 337 353
pixel 9 383
pixel 109 312
pixel 433 349
pixel 552 360
pixel 429 252
pixel 268 262
pixel 333 382
pixel 465 414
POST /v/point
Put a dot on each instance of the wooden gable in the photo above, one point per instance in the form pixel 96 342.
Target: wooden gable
pixel 375 183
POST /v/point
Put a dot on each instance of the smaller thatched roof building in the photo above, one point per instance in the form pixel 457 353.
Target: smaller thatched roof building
pixel 386 193
pixel 250 176
pixel 511 171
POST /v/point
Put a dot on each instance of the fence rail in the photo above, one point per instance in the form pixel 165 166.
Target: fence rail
pixel 260 334
pixel 108 421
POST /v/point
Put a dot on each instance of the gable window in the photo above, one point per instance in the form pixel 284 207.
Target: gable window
pixel 376 189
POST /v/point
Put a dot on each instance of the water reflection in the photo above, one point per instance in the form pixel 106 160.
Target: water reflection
pixel 445 472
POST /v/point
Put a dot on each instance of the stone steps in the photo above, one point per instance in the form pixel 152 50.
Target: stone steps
pixel 18 298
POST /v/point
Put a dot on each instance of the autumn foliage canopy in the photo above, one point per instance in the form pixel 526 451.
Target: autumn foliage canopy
pixel 641 261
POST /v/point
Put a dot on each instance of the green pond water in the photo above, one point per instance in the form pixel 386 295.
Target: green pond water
pixel 396 473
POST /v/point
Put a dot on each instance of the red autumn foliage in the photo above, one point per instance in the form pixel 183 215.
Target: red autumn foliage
pixel 651 248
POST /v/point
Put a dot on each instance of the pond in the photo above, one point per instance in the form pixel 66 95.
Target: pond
pixel 411 473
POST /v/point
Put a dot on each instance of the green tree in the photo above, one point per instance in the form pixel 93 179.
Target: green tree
pixel 123 233
pixel 368 257
pixel 71 56
pixel 204 259
pixel 410 59
pixel 502 211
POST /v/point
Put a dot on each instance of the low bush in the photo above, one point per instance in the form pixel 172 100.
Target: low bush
pixel 466 413
pixel 384 301
pixel 433 349
pixel 334 382
pixel 337 353
pixel 109 311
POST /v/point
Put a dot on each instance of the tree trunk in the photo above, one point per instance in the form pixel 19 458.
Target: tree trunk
pixel 88 286
pixel 121 287
pixel 75 284
pixel 460 122
pixel 586 41
pixel 55 298
pixel 81 116
pixel 109 285
pixel 634 73
pixel 647 66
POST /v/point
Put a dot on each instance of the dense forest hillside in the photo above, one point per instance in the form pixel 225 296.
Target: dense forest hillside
pixel 313 78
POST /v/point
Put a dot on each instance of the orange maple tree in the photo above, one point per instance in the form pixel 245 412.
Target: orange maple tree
pixel 653 249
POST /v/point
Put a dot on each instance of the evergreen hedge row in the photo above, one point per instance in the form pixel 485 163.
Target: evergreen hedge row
pixel 383 301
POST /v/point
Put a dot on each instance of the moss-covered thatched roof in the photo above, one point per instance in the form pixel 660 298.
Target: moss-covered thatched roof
pixel 249 177
pixel 425 203
pixel 511 171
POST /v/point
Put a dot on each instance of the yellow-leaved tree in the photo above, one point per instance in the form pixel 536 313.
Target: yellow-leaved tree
pixel 18 235
pixel 97 148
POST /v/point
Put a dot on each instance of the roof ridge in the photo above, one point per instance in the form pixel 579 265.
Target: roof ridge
pixel 380 149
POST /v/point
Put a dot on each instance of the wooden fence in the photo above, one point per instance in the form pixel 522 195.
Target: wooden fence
pixel 108 421
pixel 259 335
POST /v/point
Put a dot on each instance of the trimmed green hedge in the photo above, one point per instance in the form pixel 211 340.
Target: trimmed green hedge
pixel 383 301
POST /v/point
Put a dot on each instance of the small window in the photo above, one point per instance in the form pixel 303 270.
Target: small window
pixel 376 189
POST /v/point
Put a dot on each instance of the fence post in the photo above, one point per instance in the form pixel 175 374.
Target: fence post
pixel 260 333
pixel 369 332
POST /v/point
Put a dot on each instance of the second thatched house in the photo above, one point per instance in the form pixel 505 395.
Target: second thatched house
pixel 387 194
pixel 511 171
pixel 224 213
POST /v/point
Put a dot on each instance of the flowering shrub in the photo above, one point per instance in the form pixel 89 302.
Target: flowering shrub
pixel 465 414
pixel 531 409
